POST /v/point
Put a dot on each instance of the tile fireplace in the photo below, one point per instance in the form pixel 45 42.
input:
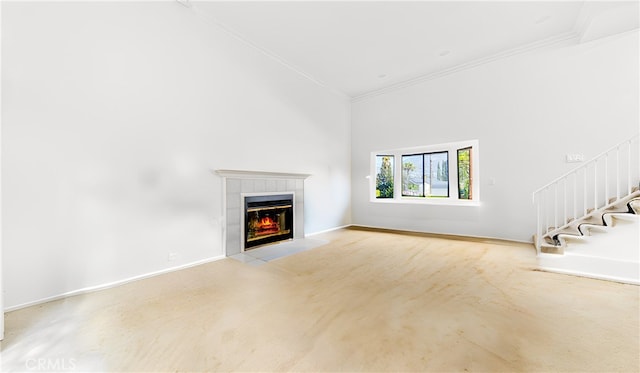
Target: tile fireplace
pixel 238 185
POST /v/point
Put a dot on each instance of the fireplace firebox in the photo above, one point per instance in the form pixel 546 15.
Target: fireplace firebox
pixel 267 219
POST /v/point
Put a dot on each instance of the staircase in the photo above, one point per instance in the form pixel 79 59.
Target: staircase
pixel 588 220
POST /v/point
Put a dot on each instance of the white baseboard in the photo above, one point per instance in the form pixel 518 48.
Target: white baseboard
pixel 622 280
pixel 327 230
pixel 109 285
pixel 444 235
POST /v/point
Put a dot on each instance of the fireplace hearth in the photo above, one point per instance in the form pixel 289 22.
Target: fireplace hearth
pixel 267 219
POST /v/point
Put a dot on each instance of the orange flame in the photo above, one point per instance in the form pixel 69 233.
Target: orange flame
pixel 266 221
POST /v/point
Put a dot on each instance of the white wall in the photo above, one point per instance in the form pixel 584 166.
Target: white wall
pixel 527 111
pixel 1 272
pixel 114 115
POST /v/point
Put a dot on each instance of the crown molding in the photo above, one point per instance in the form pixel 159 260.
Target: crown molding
pixel 598 20
pixel 274 56
pixel 560 38
pixel 584 19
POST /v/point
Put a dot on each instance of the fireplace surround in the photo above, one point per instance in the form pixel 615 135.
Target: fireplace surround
pixel 238 184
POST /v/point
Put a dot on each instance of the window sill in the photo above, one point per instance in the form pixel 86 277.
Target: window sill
pixel 426 201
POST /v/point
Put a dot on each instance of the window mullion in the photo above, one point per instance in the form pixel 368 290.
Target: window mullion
pixel 397 188
pixel 453 176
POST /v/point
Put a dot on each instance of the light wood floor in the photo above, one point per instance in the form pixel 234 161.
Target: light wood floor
pixel 367 301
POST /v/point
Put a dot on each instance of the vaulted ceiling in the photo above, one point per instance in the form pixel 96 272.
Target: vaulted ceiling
pixel 359 48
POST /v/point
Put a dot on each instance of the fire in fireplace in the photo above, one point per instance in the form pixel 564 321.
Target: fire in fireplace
pixel 267 219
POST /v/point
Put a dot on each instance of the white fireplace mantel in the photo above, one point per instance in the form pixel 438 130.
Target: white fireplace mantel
pixel 243 174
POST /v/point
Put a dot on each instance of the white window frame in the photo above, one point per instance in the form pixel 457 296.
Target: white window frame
pixel 452 149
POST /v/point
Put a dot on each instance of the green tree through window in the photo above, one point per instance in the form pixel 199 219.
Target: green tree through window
pixel 384 176
pixel 464 174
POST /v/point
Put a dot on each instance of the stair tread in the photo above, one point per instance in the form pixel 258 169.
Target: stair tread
pixel 551 249
pixel 570 231
pixel 595 226
pixel 625 216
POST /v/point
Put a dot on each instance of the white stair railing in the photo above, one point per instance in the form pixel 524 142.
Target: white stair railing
pixel 594 185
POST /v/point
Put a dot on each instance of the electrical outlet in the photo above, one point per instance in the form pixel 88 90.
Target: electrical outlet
pixel 575 158
pixel 172 256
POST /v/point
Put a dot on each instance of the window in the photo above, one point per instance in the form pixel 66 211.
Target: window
pixel 425 175
pixel 433 174
pixel 412 175
pixel 436 174
pixel 384 176
pixel 464 174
